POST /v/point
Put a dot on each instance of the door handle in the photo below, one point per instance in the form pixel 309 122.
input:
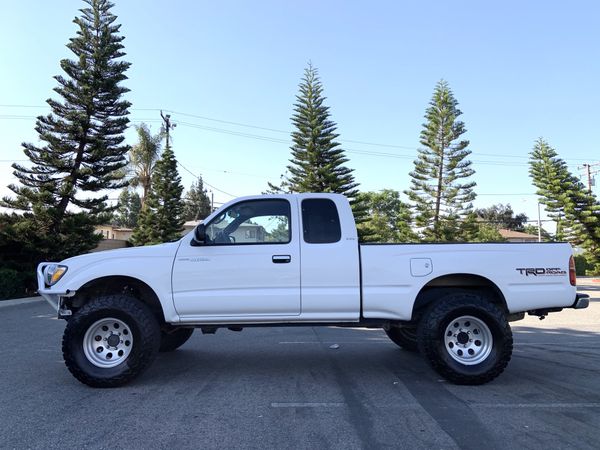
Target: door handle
pixel 282 259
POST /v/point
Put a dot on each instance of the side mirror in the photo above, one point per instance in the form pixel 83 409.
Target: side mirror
pixel 199 235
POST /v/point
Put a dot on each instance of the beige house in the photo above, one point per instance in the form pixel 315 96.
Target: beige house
pixel 113 237
pixel 114 232
pixel 517 236
pixel 118 237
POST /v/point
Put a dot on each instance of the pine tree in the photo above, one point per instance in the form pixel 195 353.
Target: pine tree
pixel 318 161
pixel 82 150
pixel 439 196
pixel 143 156
pixel 161 219
pixel 128 209
pixel 196 202
pixel 567 201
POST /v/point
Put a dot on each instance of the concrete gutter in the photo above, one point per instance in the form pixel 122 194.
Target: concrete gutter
pixel 19 301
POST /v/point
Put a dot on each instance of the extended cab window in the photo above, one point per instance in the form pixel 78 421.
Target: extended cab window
pixel 320 221
pixel 251 222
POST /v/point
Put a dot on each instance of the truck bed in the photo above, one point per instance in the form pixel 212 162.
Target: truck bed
pixel 530 276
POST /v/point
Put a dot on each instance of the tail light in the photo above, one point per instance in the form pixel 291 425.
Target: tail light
pixel 572 275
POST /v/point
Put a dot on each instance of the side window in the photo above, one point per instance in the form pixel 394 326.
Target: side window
pixel 320 221
pixel 251 222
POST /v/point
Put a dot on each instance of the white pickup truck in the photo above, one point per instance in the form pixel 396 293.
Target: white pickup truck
pixel 295 260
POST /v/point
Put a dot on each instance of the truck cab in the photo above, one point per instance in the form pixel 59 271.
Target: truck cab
pixel 283 258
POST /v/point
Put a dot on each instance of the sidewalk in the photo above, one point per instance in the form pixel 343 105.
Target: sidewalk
pixel 4 303
pixel 588 281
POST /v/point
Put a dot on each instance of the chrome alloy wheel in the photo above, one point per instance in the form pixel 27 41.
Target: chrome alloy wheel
pixel 468 340
pixel 107 343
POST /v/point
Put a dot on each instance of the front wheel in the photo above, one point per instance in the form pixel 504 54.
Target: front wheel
pixel 466 338
pixel 110 341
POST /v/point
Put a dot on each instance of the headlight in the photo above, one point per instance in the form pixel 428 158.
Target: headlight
pixel 53 273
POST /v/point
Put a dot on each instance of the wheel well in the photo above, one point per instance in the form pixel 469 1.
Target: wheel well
pixel 438 287
pixel 116 285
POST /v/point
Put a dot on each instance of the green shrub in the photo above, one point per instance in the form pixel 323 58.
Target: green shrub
pixel 580 265
pixel 13 283
pixel 584 267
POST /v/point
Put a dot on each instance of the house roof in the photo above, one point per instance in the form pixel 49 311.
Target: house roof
pixel 511 234
pixel 115 227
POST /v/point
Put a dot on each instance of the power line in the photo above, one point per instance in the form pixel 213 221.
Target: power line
pixel 348 150
pixel 205 182
pixel 275 130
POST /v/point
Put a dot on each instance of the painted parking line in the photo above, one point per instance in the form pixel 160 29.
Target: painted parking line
pixel 373 341
pixel 535 405
pixel 307 404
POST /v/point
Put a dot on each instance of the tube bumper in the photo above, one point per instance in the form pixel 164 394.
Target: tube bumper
pixel 52 296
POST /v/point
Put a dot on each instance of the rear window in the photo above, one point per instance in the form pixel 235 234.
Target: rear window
pixel 320 221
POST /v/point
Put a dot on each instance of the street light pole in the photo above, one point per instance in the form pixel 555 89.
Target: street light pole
pixel 539 224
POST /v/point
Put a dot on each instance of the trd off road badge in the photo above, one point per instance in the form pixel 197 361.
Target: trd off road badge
pixel 541 272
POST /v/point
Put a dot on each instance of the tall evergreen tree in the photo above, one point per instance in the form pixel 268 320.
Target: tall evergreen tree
pixel 82 150
pixel 318 161
pixel 161 219
pixel 143 157
pixel 439 195
pixel 567 200
pixel 196 205
pixel 128 209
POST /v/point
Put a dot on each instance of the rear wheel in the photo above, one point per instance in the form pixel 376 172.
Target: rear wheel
pixel 173 339
pixel 405 337
pixel 466 338
pixel 110 341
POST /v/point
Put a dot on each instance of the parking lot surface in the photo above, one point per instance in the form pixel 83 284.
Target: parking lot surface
pixel 288 388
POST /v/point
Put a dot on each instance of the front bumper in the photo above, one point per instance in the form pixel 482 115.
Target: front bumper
pixel 52 296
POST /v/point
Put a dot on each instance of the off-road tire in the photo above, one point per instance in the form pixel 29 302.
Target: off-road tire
pixel 173 339
pixel 404 337
pixel 145 333
pixel 432 329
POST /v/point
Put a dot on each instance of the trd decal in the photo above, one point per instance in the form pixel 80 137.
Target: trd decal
pixel 541 272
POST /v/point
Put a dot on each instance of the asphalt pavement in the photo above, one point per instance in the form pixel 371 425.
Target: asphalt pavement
pixel 280 388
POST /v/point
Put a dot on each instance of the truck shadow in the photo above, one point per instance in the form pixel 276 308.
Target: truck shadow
pixel 234 357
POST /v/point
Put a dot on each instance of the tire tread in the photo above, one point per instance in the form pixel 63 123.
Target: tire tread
pixel 147 341
pixel 429 341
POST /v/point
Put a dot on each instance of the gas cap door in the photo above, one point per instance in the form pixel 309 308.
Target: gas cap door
pixel 420 267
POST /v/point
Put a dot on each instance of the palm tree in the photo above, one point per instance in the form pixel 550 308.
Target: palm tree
pixel 143 157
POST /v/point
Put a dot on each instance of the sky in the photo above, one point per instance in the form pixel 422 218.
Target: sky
pixel 228 73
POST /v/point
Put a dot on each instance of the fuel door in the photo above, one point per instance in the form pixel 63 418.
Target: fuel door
pixel 420 267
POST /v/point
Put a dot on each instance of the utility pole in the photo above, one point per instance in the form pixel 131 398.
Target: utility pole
pixel 168 125
pixel 589 173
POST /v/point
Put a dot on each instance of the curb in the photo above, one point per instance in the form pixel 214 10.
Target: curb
pixel 19 301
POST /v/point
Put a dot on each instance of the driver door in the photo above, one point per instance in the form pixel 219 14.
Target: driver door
pixel 249 265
